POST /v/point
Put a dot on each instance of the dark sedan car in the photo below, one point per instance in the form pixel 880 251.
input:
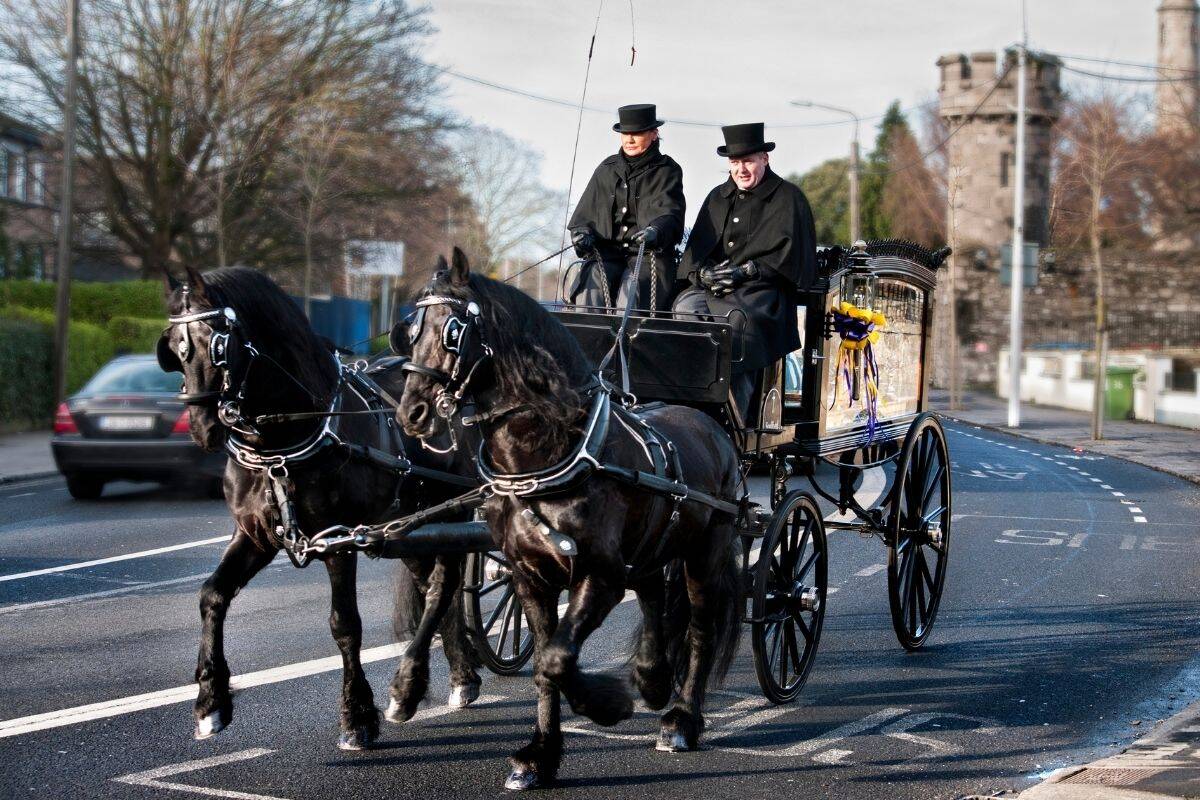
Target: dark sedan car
pixel 126 424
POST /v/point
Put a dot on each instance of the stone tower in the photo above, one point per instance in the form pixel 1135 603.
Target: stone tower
pixel 980 107
pixel 1178 63
pixel 971 94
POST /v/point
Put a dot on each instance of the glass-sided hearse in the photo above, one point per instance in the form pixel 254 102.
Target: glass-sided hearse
pixel 848 412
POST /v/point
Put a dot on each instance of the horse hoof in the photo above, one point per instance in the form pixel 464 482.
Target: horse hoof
pixel 520 779
pixel 672 742
pixel 358 739
pixel 209 726
pixel 463 696
pixel 395 712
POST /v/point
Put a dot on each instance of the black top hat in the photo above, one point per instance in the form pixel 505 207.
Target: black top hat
pixel 742 140
pixel 635 118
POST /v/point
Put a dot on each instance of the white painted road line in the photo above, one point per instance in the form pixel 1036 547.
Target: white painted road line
pixel 187 694
pixel 153 778
pixel 79 598
pixel 182 694
pixel 865 572
pixel 85 564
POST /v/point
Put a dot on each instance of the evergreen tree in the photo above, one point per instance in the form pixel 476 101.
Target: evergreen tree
pixel 827 187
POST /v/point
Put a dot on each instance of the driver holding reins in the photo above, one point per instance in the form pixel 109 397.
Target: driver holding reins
pixel 751 250
pixel 633 197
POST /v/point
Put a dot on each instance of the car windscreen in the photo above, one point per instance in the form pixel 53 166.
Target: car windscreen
pixel 132 377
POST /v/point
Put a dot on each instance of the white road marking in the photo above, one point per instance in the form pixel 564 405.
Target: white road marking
pixel 1128 541
pixel 838 734
pixel 1134 510
pixel 834 756
pixel 79 598
pixel 1139 519
pixel 433 712
pixel 1118 494
pixel 867 572
pixel 187 693
pixel 22 494
pixel 1105 486
pixel 936 748
pixel 152 778
pixel 85 564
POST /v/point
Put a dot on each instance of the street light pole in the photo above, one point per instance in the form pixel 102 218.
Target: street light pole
pixel 1017 275
pixel 855 216
pixel 62 305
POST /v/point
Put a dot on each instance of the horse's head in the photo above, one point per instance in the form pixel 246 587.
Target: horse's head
pixel 445 340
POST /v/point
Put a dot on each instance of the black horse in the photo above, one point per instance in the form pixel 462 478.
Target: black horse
pixel 480 340
pixel 247 351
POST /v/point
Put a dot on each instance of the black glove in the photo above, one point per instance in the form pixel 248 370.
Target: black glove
pixel 709 277
pixel 649 235
pixel 584 242
pixel 723 279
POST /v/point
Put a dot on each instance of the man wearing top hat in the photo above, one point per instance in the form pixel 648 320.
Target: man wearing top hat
pixel 635 195
pixel 752 248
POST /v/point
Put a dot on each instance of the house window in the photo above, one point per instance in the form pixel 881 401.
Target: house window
pixel 3 171
pixel 37 174
pixel 16 175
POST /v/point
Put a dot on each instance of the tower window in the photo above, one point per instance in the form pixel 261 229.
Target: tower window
pixel 1004 159
pixel 964 69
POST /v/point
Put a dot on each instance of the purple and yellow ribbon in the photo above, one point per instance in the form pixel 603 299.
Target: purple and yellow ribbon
pixel 859 331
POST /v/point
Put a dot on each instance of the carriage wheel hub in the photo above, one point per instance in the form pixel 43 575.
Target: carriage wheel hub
pixel 806 598
pixel 933 533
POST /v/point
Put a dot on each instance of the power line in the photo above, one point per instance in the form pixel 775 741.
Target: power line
pixel 1119 63
pixel 1126 78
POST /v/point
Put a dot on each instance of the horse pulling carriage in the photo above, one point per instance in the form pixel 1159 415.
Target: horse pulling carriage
pixel 568 455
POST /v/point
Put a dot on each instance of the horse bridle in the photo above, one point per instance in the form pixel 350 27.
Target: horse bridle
pixel 456 335
pixel 222 324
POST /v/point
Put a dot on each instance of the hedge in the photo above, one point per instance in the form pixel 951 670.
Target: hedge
pixel 135 334
pixel 26 382
pixel 90 302
pixel 89 348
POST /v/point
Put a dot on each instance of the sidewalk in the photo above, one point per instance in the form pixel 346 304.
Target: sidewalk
pixel 25 456
pixel 1162 766
pixel 1175 451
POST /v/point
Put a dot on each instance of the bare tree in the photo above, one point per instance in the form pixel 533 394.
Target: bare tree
pixel 1101 163
pixel 186 105
pixel 519 217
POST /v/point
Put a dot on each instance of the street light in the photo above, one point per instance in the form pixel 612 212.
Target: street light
pixel 854 213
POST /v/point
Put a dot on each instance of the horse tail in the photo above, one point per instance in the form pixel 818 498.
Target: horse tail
pixel 726 599
pixel 729 607
pixel 410 604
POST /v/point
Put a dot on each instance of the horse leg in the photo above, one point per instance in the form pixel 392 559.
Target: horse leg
pixel 711 582
pixel 240 562
pixel 601 698
pixel 359 717
pixel 652 674
pixel 411 681
pixel 464 679
pixel 536 764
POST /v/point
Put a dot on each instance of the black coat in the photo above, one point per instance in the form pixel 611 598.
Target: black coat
pixel 771 225
pixel 647 192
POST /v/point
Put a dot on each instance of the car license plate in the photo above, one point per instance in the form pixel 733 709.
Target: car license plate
pixel 126 423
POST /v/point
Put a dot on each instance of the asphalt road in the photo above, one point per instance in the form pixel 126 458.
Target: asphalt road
pixel 1070 614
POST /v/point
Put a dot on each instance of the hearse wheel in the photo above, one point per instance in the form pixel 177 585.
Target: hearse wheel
pixel 791 580
pixel 919 531
pixel 500 633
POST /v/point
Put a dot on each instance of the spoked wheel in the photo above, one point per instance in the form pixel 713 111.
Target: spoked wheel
pixel 791 579
pixel 919 531
pixel 495 620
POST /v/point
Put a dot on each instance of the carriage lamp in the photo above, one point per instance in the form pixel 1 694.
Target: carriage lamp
pixel 858 283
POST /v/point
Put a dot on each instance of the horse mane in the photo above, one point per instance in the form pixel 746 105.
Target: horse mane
pixel 274 323
pixel 536 359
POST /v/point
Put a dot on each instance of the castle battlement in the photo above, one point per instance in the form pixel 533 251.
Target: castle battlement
pixel 966 80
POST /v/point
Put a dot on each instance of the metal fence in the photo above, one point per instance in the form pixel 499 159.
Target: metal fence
pixel 1126 331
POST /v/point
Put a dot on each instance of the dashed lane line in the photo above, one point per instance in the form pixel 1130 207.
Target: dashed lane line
pixel 112 559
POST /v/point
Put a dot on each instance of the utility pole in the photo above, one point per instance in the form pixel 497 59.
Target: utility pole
pixel 62 306
pixel 1018 241
pixel 855 216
